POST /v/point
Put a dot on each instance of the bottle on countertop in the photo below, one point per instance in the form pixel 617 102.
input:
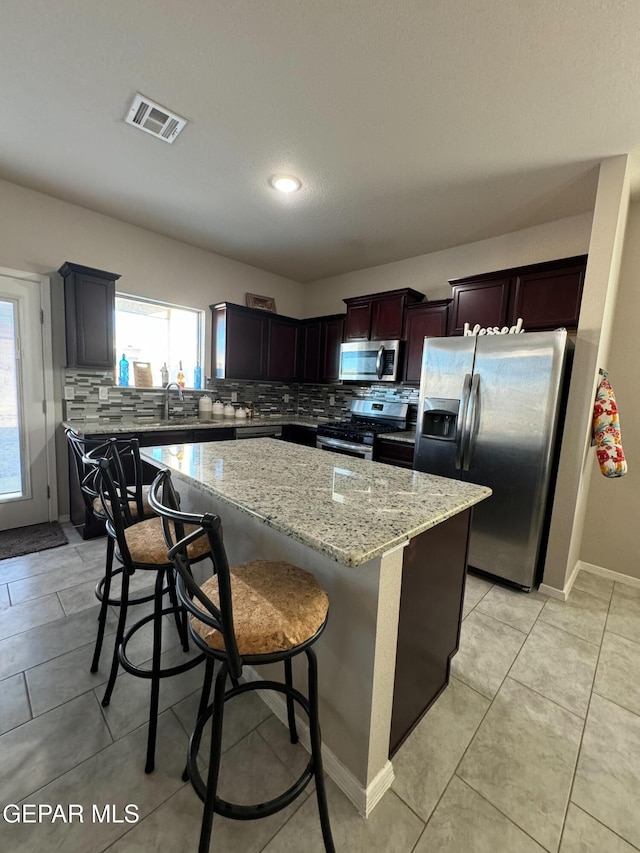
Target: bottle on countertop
pixel 180 376
pixel 164 373
pixel 123 372
pixel 197 376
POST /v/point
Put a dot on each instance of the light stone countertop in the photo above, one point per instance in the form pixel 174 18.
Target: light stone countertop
pixel 404 437
pixel 346 508
pixel 117 426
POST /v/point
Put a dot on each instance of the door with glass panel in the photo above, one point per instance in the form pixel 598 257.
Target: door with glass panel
pixel 24 481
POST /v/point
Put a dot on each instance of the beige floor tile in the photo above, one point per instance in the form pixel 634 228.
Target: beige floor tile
pixel 558 665
pixel 248 773
pixel 583 834
pixel 425 762
pixel 607 783
pixel 61 578
pixel 514 607
pixel 293 755
pixel 475 589
pixel 39 751
pixel 4 596
pixel 618 674
pixel 391 827
pixel 487 650
pixel 624 612
pixel 29 614
pixel 464 821
pixel 113 775
pixel 14 703
pixel 594 584
pixel 40 563
pixel 522 760
pixel 581 614
pixel 48 641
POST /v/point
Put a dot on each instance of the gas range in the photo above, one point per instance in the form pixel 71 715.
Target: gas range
pixel 356 436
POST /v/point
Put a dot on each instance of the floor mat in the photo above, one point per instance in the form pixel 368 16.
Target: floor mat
pixel 27 540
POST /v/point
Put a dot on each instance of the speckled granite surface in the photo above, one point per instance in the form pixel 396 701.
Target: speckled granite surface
pixel 404 437
pixel 115 427
pixel 347 508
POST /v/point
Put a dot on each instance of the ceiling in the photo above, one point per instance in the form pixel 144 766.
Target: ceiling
pixel 414 125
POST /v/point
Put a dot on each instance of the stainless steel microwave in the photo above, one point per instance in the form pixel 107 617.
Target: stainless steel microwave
pixel 370 361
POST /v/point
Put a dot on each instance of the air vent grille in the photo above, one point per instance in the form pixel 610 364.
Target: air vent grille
pixel 155 119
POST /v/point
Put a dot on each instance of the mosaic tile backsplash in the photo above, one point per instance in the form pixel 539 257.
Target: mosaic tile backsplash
pixel 268 398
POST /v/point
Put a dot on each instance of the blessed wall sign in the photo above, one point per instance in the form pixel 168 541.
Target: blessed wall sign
pixel 494 330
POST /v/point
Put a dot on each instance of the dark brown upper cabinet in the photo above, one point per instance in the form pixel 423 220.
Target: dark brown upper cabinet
pixel 89 308
pixel 546 296
pixel 378 316
pixel 319 348
pixel 249 343
pixel 424 319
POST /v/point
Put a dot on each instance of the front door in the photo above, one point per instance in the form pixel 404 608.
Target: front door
pixel 24 463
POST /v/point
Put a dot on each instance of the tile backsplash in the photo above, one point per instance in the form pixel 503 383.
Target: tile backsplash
pixel 304 400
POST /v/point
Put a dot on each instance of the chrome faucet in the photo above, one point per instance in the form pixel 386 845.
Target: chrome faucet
pixel 167 388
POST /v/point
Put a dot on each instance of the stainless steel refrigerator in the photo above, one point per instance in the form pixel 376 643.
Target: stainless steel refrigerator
pixel 489 413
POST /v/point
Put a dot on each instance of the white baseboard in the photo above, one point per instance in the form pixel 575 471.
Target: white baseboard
pixel 618 577
pixel 364 799
pixel 563 593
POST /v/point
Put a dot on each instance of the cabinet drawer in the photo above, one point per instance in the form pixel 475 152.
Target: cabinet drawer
pixel 395 453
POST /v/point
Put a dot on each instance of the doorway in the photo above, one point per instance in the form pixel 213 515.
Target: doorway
pixel 28 492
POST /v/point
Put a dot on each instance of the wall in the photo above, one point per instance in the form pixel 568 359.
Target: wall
pixel 39 233
pixel 429 274
pixel 592 349
pixel 610 535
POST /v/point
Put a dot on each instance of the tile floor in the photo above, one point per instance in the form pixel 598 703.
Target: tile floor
pixel 535 744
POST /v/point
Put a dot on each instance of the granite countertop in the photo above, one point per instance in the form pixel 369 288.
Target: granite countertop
pixel 404 437
pixel 115 427
pixel 347 508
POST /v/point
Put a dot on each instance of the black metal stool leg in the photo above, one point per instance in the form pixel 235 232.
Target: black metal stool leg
pixel 214 759
pixel 155 677
pixel 122 618
pixel 179 613
pixel 288 675
pixel 104 605
pixel 204 700
pixel 316 752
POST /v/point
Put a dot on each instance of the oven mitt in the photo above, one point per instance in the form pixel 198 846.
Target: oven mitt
pixel 606 432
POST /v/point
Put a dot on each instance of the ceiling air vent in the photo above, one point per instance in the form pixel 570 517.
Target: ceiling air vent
pixel 155 119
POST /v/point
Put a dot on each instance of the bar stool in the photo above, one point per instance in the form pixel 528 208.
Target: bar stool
pixel 141 547
pixel 256 613
pixel 130 471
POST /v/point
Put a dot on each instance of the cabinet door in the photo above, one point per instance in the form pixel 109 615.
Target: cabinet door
pixel 393 453
pixel 421 321
pixel 386 318
pixel 548 299
pixel 483 302
pixel 310 342
pixel 283 349
pixel 89 297
pixel 332 331
pixel 358 322
pixel 246 344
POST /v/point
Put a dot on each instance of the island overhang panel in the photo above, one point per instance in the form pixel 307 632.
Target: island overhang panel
pixel 349 522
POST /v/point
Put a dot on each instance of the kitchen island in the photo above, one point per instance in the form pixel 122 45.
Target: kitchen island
pixel 388 545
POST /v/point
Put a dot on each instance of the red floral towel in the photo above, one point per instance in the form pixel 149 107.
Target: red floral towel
pixel 606 432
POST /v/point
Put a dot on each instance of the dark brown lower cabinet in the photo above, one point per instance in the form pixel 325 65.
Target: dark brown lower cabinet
pixel 433 582
pixel 393 453
pixel 298 434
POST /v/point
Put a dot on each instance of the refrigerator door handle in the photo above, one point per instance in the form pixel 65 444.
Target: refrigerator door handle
pixel 473 426
pixel 462 419
pixel 379 364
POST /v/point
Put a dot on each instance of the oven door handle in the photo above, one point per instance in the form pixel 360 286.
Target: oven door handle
pixel 361 449
pixel 379 362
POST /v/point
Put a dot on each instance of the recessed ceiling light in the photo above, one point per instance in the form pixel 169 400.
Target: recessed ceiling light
pixel 285 183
